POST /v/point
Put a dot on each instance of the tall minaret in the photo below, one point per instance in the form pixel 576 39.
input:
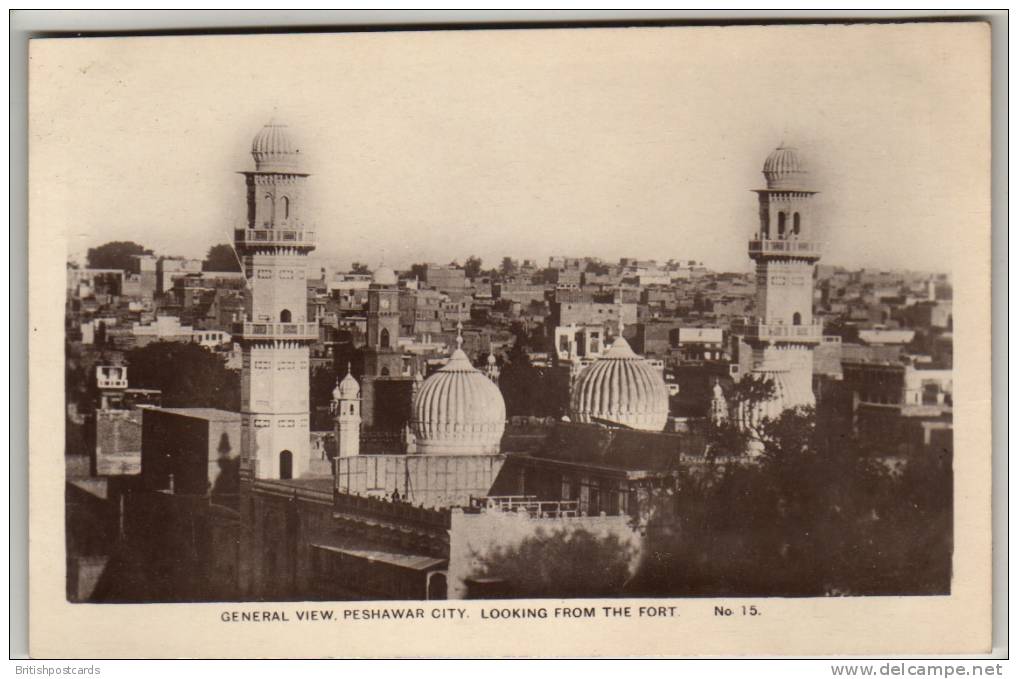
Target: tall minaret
pixel 347 395
pixel 783 334
pixel 275 336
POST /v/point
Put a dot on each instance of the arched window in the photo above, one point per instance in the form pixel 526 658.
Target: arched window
pixel 795 223
pixel 385 372
pixel 286 465
pixel 268 208
pixel 781 224
pixel 796 318
pixel 285 316
pixel 383 339
pixel 286 208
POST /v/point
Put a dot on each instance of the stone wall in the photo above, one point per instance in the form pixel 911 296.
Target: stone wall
pixel 117 442
pixel 427 480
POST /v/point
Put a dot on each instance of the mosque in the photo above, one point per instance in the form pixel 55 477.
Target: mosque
pixel 415 521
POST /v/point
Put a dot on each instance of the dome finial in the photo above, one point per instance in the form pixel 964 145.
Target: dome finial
pixel 347 388
pixel 459 334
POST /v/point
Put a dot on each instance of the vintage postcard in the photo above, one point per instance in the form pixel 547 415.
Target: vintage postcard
pixel 558 342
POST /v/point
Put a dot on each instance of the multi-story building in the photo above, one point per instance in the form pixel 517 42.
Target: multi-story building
pixel 169 269
pixel 447 278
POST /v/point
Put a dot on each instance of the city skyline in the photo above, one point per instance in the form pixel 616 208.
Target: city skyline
pixel 624 150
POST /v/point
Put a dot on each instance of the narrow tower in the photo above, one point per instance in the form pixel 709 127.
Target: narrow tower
pixel 347 396
pixel 383 356
pixel 784 333
pixel 276 333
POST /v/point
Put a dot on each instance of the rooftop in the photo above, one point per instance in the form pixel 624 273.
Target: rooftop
pixel 209 414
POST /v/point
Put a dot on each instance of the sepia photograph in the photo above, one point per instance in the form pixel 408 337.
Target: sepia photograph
pixel 517 319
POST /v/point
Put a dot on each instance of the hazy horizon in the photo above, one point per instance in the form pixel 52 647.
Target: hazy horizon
pixel 434 146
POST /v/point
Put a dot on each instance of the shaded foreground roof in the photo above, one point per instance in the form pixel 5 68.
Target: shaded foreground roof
pixel 622 449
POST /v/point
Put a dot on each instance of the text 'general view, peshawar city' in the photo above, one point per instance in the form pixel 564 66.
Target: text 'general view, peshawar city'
pixel 263 425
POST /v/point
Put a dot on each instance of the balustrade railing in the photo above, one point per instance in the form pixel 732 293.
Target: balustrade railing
pixel 809 333
pixel 294 331
pixel 290 237
pixel 791 247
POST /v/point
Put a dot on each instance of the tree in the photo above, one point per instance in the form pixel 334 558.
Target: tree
pixel 359 268
pixel 530 390
pixel 189 375
pixel 472 267
pixel 814 514
pixel 221 258
pixel 418 270
pixel 509 266
pixel 114 255
pixel 561 563
pixel 731 436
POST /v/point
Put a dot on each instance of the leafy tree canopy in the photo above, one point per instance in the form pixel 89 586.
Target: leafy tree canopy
pixel 221 258
pixel 189 375
pixel 815 514
pixel 562 564
pixel 114 255
pixel 509 266
pixel 472 267
pixel 417 270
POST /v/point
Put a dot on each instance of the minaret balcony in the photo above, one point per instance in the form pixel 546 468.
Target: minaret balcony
pixel 780 332
pixel 291 238
pixel 296 332
pixel 792 248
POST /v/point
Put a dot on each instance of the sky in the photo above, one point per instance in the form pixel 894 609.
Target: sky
pixel 435 146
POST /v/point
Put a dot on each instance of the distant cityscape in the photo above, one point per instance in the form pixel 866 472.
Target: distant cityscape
pixel 306 431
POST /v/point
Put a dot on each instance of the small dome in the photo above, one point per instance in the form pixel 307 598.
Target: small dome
pixel 274 150
pixel 621 387
pixel 784 170
pixel 348 387
pixel 458 411
pixel 383 275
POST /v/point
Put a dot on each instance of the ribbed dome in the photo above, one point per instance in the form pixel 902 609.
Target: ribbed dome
pixel 621 387
pixel 274 149
pixel 784 170
pixel 458 411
